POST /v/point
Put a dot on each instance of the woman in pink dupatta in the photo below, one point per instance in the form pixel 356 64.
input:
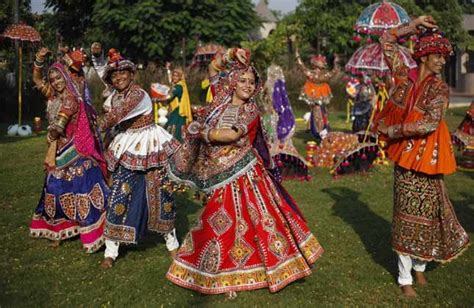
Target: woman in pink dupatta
pixel 75 191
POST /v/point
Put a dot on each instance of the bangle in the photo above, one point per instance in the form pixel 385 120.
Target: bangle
pixel 216 66
pixel 38 64
pixel 215 131
pixel 61 121
pixel 205 134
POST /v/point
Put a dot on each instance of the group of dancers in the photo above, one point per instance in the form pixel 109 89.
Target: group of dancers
pixel 251 233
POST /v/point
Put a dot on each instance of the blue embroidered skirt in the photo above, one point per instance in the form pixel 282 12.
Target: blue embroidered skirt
pixel 139 201
pixel 72 202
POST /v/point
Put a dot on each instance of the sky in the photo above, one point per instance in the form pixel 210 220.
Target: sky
pixel 284 6
pixel 37 6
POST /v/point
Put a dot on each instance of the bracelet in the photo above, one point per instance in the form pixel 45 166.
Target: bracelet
pixel 216 66
pixel 49 137
pixel 205 134
pixel 227 57
pixel 61 121
pixel 39 58
pixel 38 64
pixel 215 132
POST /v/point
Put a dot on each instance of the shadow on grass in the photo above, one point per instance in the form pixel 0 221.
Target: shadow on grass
pixel 12 139
pixel 373 230
pixel 464 212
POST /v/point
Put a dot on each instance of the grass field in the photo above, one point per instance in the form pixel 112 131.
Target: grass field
pixel 350 216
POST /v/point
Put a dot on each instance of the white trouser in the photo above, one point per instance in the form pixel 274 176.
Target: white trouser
pixel 405 265
pixel 112 247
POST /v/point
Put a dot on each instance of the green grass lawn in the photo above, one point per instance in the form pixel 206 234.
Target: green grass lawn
pixel 349 215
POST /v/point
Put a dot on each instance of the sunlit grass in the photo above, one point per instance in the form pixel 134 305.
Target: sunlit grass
pixel 350 216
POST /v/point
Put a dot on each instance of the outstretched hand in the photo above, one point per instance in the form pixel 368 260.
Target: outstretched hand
pixel 43 52
pixel 426 21
pixel 241 56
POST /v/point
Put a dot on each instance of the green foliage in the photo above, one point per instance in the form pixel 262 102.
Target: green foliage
pixel 6 13
pixel 273 49
pixel 150 29
pixel 448 14
pixel 327 25
pixel 71 18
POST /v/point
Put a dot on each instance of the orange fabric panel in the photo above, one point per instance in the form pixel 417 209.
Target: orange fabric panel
pixel 430 154
pixel 314 90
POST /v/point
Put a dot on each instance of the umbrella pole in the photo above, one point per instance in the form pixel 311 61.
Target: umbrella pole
pixel 19 83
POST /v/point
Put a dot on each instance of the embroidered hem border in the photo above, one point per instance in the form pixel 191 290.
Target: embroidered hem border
pixel 323 100
pixel 260 277
pixel 451 258
pixel 257 278
pixel 69 232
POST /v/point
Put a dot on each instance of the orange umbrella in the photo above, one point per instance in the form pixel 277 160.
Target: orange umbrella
pixel 24 33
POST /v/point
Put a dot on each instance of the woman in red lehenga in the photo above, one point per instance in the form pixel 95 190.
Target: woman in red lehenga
pixel 251 234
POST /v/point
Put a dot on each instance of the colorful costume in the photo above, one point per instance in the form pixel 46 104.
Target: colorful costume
pixel 317 94
pixel 251 234
pixel 137 157
pixel 179 109
pixel 464 137
pixel 363 105
pixel 424 224
pixel 279 123
pixel 74 192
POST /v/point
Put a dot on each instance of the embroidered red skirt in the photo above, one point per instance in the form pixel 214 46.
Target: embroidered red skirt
pixel 248 237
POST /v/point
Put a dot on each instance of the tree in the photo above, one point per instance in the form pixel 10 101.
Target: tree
pixel 6 13
pixel 71 18
pixel 448 14
pixel 162 29
pixel 327 25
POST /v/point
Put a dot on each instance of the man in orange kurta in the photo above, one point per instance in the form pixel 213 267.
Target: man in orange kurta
pixel 424 227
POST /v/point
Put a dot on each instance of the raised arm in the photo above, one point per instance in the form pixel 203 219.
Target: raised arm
pixel 306 71
pixel 220 61
pixel 391 49
pixel 38 79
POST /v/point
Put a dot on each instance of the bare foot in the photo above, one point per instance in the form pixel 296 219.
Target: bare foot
pixel 55 244
pixel 408 291
pixel 173 253
pixel 420 278
pixel 231 295
pixel 107 263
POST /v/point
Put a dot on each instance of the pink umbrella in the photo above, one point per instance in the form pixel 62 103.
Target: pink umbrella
pixel 23 33
pixel 378 17
pixel 370 59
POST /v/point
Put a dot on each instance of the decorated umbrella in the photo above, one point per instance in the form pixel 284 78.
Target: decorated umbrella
pixel 204 54
pixel 370 59
pixel 378 17
pixel 23 33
